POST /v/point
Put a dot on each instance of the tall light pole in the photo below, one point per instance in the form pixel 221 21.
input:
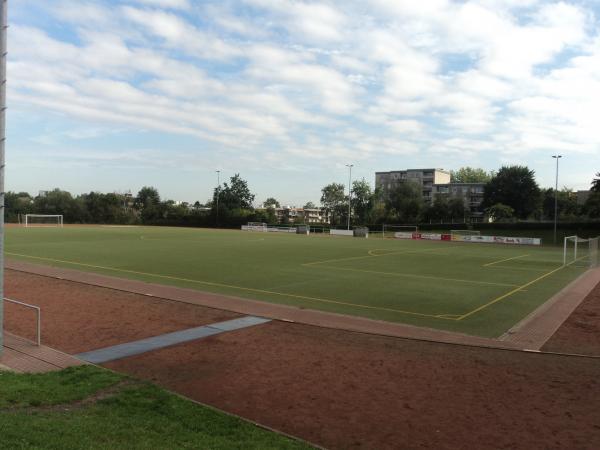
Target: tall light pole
pixel 218 193
pixel 3 38
pixel 557 157
pixel 349 166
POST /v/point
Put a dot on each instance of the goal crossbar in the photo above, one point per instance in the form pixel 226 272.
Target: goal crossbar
pixel 582 248
pixel 46 219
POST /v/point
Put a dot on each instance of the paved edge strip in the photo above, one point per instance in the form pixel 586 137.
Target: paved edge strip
pixel 133 348
pixel 20 355
pixel 538 327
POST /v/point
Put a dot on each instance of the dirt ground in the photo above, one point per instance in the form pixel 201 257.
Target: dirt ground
pixel 78 317
pixel 336 388
pixel 580 333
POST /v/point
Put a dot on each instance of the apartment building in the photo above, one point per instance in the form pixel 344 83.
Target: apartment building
pixel 425 178
pixel 470 193
pixel 437 182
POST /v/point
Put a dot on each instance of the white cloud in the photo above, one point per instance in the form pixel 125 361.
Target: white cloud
pixel 171 4
pixel 283 82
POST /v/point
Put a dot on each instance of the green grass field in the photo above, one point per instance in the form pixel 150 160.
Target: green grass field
pixel 480 289
pixel 93 408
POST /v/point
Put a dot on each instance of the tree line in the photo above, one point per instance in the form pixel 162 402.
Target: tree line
pixel 509 194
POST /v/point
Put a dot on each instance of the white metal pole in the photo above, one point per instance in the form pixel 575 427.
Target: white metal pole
pixel 565 252
pixel 3 38
pixel 218 194
pixel 349 166
pixel 575 256
pixel 557 157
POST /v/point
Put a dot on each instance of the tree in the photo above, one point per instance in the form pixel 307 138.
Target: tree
pixel 235 195
pixel 405 202
pixel 457 209
pixel 271 203
pixel 592 205
pixel 103 208
pixel 499 212
pixel 309 205
pixel 470 175
pixel 146 197
pixel 334 201
pixel 596 183
pixel 566 201
pixel 438 210
pixel 362 200
pixel 378 211
pixel 17 203
pixel 148 203
pixel 514 186
pixel 60 202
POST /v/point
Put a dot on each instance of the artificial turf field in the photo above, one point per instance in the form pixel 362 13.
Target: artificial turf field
pixel 479 289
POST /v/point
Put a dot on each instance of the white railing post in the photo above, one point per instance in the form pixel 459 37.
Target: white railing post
pixel 38 317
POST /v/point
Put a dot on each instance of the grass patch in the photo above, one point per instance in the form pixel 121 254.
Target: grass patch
pixel 137 416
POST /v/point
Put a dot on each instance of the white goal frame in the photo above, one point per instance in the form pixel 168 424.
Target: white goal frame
pixel 255 226
pixel 576 240
pixel 28 223
pixel 398 228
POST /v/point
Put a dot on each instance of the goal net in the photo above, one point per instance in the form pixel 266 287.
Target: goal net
pixel 43 220
pixel 581 251
pixel 393 231
pixel 255 226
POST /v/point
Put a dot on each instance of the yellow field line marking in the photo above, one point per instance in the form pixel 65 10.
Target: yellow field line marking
pixel 514 291
pixel 370 255
pixel 228 286
pixel 425 277
pixel 504 260
pixel 529 269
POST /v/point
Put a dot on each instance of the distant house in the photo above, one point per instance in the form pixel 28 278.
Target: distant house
pixel 291 214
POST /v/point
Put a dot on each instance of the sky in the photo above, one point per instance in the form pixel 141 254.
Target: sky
pixel 112 95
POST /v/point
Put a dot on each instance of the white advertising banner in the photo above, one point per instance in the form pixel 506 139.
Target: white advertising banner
pixel 341 232
pixel 499 240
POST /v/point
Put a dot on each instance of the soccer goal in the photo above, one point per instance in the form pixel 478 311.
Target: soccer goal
pixel 255 226
pixel 394 231
pixel 580 249
pixel 43 220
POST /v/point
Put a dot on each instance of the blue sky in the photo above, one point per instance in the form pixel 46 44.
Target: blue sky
pixel 115 95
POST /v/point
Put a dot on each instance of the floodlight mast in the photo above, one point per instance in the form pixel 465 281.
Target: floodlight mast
pixel 557 157
pixel 218 193
pixel 3 38
pixel 349 166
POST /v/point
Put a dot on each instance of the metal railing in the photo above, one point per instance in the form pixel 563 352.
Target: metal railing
pixel 39 317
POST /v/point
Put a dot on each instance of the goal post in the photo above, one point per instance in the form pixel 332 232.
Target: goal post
pixel 35 220
pixel 255 226
pixel 576 249
pixel 389 231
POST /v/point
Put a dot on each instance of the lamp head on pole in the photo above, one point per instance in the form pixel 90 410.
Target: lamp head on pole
pixel 557 156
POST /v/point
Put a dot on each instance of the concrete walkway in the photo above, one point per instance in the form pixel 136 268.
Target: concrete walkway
pixel 166 340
